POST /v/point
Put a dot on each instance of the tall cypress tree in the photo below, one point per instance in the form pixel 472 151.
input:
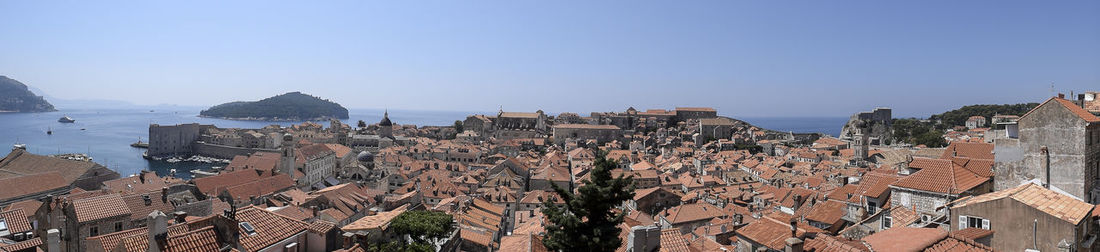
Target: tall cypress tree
pixel 586 221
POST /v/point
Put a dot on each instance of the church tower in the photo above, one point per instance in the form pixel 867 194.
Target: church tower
pixel 385 127
pixel 286 165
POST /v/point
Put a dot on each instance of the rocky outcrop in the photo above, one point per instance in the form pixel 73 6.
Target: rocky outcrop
pixel 15 97
pixel 875 124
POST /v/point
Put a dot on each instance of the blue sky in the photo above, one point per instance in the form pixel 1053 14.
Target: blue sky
pixel 746 58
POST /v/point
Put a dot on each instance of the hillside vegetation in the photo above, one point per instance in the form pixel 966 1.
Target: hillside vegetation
pixel 294 106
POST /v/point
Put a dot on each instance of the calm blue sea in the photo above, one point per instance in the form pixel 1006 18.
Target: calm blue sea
pixel 106 134
pixel 828 125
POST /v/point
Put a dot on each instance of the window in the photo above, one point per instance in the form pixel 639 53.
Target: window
pixel 94 231
pixel 118 226
pixel 973 222
pixel 3 225
pixel 887 222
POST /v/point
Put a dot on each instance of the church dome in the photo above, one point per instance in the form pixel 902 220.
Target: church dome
pixel 365 156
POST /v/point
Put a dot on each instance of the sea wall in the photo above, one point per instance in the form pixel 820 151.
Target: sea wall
pixel 222 151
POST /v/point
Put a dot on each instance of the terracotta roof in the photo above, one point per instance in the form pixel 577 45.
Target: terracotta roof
pixel 477 237
pixel 941 176
pixel 100 207
pixel 16 221
pixel 1048 201
pixel 518 115
pixel 522 243
pixel 671 241
pixel 270 228
pixel 691 212
pixel 968 150
pixel 698 109
pixel 213 184
pixel 260 187
pixel 905 239
pixel 955 243
pixel 321 227
pixel 828 243
pixel 973 233
pixel 377 221
pixel 586 126
pixel 31 184
pixel 202 239
pixel 29 206
pixel 260 160
pixel 139 209
pixel 22 245
pixel 828 212
pixel 1073 108
pixel 315 151
pixel 20 163
pixel 768 232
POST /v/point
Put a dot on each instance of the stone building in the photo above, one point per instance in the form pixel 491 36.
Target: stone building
pixel 511 125
pixel 975 122
pixel 1028 217
pixel 320 163
pixel 580 132
pixel 686 113
pixel 478 123
pixel 1058 144
pixel 173 140
pixel 935 183
pixel 717 128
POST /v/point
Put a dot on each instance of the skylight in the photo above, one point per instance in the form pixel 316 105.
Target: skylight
pixel 248 228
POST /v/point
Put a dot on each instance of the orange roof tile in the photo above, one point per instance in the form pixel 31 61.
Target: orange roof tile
pixel 1048 201
pixel 100 207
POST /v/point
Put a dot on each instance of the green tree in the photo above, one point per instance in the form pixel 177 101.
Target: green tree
pixel 458 126
pixel 362 124
pixel 424 228
pixel 586 222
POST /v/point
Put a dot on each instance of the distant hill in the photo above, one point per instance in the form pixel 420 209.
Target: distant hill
pixel 958 117
pixel 294 106
pixel 16 97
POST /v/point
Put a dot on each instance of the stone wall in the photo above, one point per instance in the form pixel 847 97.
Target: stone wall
pixel 172 140
pixel 1064 134
pixel 224 152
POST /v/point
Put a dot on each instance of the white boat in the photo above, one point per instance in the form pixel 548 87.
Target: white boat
pixel 66 119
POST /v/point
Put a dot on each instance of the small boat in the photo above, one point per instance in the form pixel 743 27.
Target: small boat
pixel 49 131
pixel 66 119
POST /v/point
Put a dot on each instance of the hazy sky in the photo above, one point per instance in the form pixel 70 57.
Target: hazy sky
pixel 758 58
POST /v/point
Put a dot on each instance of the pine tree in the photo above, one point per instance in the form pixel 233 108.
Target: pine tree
pixel 586 222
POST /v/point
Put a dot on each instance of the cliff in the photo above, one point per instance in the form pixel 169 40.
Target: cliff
pixel 15 97
pixel 294 106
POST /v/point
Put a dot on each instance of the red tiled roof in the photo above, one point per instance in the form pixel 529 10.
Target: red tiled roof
pixel 1073 108
pixel 30 184
pixel 270 228
pixel 100 207
pixel 828 212
pixel 22 245
pixel 1048 201
pixel 671 241
pixel 16 220
pixel 905 239
pixel 968 150
pixel 828 243
pixel 941 176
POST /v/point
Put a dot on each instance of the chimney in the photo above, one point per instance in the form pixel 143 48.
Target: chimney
pixel 1045 153
pixel 181 216
pixel 314 210
pixel 794 228
pixel 53 240
pixel 158 231
pixel 793 245
pixel 1061 95
pixel 164 194
pixel 347 240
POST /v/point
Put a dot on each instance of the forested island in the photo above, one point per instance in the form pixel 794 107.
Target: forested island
pixel 293 106
pixel 16 97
